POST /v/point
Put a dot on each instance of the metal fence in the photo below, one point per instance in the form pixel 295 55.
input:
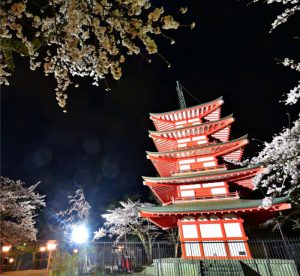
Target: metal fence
pixel 268 257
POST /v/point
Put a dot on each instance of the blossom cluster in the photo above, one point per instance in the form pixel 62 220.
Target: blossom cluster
pixel 281 158
pixel 288 12
pixel 293 95
pixel 283 17
pixel 79 38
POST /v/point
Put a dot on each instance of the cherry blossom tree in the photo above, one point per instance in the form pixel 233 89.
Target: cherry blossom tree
pixel 125 220
pixel 80 38
pixel 77 213
pixel 281 177
pixel 19 206
pixel 281 158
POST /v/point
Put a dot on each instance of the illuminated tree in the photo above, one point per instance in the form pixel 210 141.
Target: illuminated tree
pixel 125 220
pixel 281 158
pixel 77 213
pixel 79 38
pixel 18 209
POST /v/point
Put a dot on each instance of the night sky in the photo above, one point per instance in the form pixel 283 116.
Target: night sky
pixel 100 144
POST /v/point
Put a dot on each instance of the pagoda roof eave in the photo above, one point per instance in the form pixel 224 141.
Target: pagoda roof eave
pixel 157 133
pixel 206 175
pixel 213 206
pixel 162 154
pixel 188 108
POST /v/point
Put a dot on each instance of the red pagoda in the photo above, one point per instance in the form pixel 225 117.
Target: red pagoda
pixel 198 192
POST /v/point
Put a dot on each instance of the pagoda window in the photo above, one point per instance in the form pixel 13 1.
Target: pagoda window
pixel 233 230
pixel 200 137
pixel 188 187
pixel 183 140
pixel 188 193
pixel 215 184
pixel 180 124
pixel 218 191
pixel 187 161
pixel 185 167
pixel 212 230
pixel 209 164
pixel 203 159
pixel 189 231
pixel 188 190
pixel 192 249
pixel 237 248
pixel 182 145
pixel 214 249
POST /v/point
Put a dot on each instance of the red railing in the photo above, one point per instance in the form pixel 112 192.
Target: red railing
pixel 199 170
pixel 220 196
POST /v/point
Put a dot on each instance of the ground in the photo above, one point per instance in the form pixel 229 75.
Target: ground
pixel 26 273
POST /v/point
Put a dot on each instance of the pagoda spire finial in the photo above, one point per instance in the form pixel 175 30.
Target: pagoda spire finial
pixel 182 103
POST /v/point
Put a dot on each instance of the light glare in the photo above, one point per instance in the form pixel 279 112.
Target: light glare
pixel 79 234
pixel 6 248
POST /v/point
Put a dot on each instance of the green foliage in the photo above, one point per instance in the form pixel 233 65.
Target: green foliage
pixel 63 261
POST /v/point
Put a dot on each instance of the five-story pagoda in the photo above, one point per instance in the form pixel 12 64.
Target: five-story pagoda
pixel 199 194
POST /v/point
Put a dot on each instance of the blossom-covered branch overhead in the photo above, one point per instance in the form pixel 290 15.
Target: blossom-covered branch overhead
pixel 291 7
pixel 80 38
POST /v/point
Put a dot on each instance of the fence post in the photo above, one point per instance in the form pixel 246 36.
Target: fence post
pixel 160 270
pixel 267 257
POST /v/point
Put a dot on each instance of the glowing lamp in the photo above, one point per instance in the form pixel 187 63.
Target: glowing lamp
pixel 6 248
pixel 120 247
pixel 51 245
pixel 75 250
pixel 11 260
pixel 79 234
pixel 43 248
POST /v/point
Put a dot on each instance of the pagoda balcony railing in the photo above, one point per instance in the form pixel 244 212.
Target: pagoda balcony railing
pixel 219 196
pixel 187 147
pixel 219 167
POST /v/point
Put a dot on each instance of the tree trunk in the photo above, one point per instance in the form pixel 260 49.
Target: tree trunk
pixel 148 251
pixel 176 250
pixel 147 247
pixel 150 247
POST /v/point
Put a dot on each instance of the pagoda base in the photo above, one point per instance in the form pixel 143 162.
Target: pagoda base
pixel 263 267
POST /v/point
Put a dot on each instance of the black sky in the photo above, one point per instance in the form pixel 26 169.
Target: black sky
pixel 100 143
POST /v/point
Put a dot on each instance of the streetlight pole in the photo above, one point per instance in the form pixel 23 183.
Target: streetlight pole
pixel 48 263
pixel 51 246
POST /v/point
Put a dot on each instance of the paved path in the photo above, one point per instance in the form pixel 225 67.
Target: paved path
pixel 25 273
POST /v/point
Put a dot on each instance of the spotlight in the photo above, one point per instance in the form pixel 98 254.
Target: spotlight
pixel 79 234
